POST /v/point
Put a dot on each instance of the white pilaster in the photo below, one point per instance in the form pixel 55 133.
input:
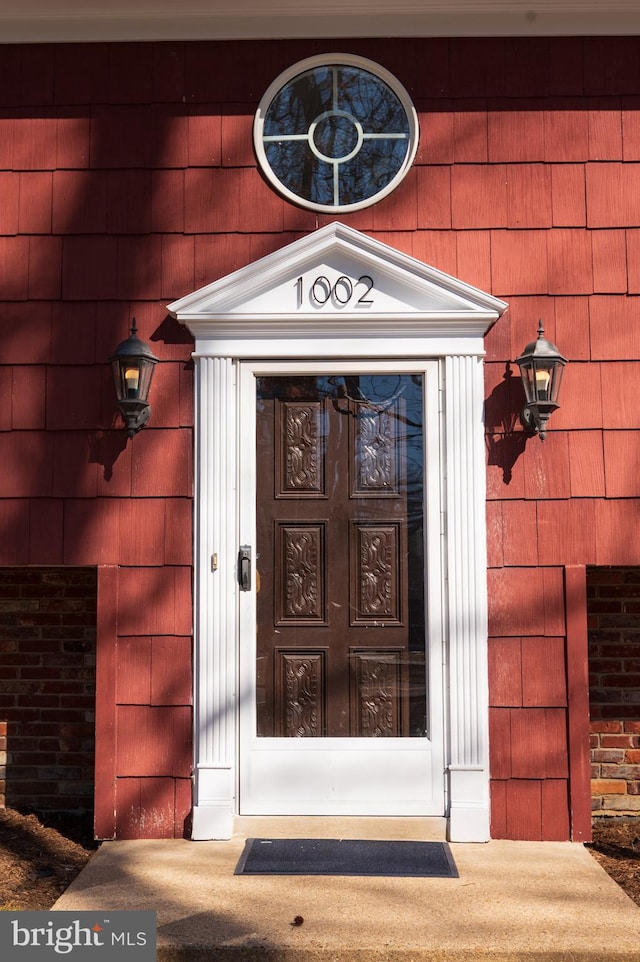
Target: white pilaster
pixel 215 618
pixel 467 601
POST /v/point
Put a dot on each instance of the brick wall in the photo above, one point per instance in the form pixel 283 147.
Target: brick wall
pixel 614 662
pixel 47 687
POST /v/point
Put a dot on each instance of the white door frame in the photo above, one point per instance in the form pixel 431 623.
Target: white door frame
pixel 412 312
pixel 337 776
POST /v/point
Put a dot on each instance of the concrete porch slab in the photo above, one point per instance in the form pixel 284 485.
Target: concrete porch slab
pixel 513 900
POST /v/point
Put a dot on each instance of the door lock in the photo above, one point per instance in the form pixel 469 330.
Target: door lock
pixel 244 567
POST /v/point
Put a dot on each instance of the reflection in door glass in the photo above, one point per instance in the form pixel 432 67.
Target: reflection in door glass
pixel 340 586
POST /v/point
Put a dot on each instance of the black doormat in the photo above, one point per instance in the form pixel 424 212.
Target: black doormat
pixel 345 856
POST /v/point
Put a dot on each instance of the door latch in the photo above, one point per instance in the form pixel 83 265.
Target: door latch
pixel 244 567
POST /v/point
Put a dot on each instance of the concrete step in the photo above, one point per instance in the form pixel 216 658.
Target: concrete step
pixel 513 900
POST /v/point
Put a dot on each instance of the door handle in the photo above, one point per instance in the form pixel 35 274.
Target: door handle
pixel 244 567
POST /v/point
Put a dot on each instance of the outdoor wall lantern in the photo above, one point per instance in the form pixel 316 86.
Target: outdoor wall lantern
pixel 132 364
pixel 541 365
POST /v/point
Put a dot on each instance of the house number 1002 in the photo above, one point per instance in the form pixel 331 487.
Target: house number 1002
pixel 341 292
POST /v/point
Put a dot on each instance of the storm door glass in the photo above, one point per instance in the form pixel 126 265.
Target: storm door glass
pixel 340 557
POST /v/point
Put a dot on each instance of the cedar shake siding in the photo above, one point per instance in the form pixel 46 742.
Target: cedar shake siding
pixel 128 179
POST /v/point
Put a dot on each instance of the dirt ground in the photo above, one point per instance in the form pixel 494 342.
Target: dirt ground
pixel 41 855
pixel 616 845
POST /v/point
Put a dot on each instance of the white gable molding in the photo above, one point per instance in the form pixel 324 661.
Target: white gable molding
pixel 411 311
pixel 412 300
pixel 42 21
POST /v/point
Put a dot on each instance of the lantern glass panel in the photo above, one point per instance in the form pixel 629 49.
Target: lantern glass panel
pixel 528 382
pixel 543 376
pixel 119 382
pixel 146 373
pixel 556 381
pixel 132 378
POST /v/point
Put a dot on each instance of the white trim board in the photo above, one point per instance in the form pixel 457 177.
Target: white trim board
pixel 34 21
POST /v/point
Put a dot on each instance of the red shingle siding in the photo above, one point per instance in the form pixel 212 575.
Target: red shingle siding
pixel 528 732
pixel 576 265
pixel 92 175
pixel 127 179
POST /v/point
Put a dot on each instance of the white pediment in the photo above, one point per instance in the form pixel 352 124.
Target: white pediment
pixel 337 280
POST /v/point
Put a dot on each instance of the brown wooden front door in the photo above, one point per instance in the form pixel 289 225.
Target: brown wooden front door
pixel 340 557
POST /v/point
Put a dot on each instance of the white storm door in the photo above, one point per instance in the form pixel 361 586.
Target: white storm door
pixel 340 613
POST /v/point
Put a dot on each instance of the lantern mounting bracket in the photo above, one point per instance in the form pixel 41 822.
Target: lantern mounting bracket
pixel 534 417
pixel 135 415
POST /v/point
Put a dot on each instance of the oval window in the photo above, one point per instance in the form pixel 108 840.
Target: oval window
pixel 335 133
